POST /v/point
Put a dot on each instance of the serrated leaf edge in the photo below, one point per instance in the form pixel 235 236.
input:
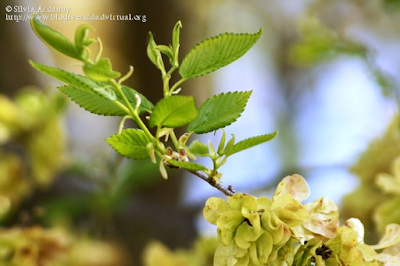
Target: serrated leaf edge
pixel 61 87
pixel 129 129
pixel 183 97
pixel 217 36
pixel 273 135
pixel 230 92
pixel 196 153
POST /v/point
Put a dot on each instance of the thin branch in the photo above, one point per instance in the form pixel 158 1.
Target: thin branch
pixel 227 191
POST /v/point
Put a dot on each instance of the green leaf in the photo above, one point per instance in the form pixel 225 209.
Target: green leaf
pixel 153 53
pixel 175 35
pixel 81 40
pixel 55 39
pixel 174 111
pixel 107 93
pixel 167 51
pixel 92 96
pixel 96 104
pixel 130 143
pixel 101 70
pixel 216 52
pixel 66 77
pixel 175 41
pixel 130 93
pixel 198 148
pixel 221 145
pixel 187 165
pixel 250 142
pixel 92 102
pixel 75 80
pixel 219 111
pixel 230 144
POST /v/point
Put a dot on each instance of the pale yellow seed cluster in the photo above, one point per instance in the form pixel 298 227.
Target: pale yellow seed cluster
pixel 283 231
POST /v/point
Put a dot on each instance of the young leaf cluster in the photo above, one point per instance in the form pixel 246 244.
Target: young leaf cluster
pixel 101 92
pixel 219 156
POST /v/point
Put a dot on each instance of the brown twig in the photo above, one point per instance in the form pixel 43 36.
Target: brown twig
pixel 227 191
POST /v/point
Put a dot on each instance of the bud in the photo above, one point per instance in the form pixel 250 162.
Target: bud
pixel 183 139
pixel 170 151
pixel 150 150
pixel 163 171
pixel 165 132
pixel 221 146
pixel 183 156
pixel 230 144
pixel 177 91
pixel 190 155
pixel 212 151
pixel 138 102
pixel 221 161
pixel 217 177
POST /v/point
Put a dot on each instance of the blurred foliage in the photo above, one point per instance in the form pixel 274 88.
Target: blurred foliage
pixel 201 254
pixel 319 44
pixel 32 143
pixel 378 171
pixel 109 189
pixel 33 155
pixel 57 247
pixel 389 184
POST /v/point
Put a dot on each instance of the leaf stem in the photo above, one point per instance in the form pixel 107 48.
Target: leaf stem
pixel 215 166
pixel 100 50
pixel 122 123
pixel 122 106
pixel 158 143
pixel 174 139
pixel 173 68
pixel 127 76
pixel 176 85
pixel 166 79
pixel 132 112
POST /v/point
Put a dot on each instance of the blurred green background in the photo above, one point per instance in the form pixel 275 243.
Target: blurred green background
pixel 325 74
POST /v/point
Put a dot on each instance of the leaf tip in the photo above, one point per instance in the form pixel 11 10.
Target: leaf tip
pixel 33 20
pixel 86 26
pixel 260 31
pixel 34 64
